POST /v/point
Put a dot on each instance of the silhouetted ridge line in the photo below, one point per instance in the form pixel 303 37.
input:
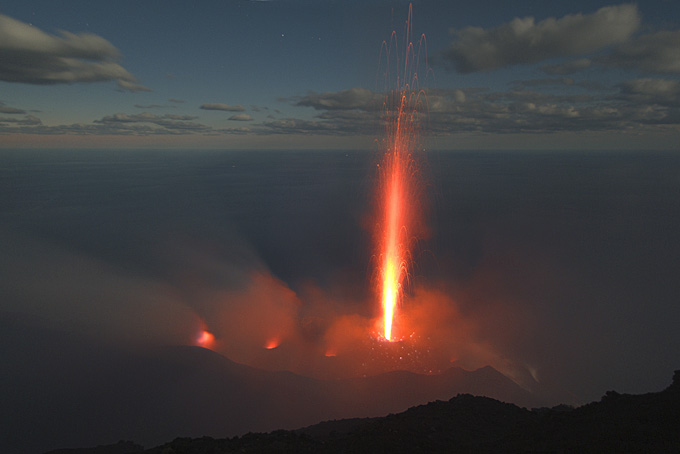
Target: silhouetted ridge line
pixel 466 423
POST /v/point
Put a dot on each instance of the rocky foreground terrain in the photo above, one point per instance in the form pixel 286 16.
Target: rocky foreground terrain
pixel 617 423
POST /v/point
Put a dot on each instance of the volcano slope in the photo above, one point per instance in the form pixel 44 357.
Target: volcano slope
pixel 617 423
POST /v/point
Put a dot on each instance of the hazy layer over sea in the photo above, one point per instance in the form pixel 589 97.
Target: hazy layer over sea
pixel 583 247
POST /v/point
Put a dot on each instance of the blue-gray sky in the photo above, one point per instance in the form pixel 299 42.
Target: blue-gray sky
pixel 304 74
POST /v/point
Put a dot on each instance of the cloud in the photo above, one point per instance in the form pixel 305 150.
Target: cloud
pixel 298 126
pixel 544 82
pixel 168 123
pixel 523 40
pixel 29 55
pixel 569 67
pixel 10 110
pixel 179 101
pixel 332 123
pixel 143 117
pixel 139 124
pixel 546 105
pixel 656 53
pixel 639 105
pixel 27 120
pixel 179 117
pixel 125 85
pixel 652 91
pixel 224 107
pixel 651 53
pixel 542 105
pixel 241 117
pixel 153 106
pixel 354 98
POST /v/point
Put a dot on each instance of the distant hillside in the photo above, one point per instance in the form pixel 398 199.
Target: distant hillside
pixel 66 393
pixel 618 423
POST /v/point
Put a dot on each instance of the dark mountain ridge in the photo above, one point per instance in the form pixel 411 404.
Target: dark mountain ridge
pixel 63 391
pixel 618 423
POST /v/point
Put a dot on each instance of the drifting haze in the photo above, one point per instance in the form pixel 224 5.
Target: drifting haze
pixel 556 270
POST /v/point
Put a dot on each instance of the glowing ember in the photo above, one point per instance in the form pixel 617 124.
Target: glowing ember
pixel 205 339
pixel 399 204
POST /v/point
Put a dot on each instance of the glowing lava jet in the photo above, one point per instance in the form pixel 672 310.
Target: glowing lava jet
pixel 397 225
pixel 205 339
pixel 399 204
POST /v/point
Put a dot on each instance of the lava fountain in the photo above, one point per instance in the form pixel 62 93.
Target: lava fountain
pixel 399 202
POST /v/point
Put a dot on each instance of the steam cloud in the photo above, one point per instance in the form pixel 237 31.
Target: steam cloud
pixel 256 318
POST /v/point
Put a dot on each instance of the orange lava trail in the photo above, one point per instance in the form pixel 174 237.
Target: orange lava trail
pixel 400 210
pixel 396 222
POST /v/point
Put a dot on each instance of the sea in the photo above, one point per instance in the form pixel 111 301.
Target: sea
pixel 582 246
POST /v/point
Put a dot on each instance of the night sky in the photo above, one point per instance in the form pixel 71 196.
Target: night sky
pixel 303 74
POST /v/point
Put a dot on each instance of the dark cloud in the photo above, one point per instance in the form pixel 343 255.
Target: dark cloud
pixel 544 82
pixel 569 67
pixel 29 55
pixel 125 118
pixel 153 106
pixel 241 117
pixel 334 123
pixel 125 85
pixel 140 124
pixel 655 53
pixel 531 106
pixel 547 105
pixel 168 122
pixel 10 110
pixel 179 117
pixel 354 98
pixel 298 126
pixel 117 124
pixel 348 112
pixel 224 107
pixel 523 40
pixel 530 111
pixel 27 120
pixel 652 91
pixel 561 82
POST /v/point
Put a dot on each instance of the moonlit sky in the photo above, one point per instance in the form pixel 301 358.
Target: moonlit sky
pixel 303 74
